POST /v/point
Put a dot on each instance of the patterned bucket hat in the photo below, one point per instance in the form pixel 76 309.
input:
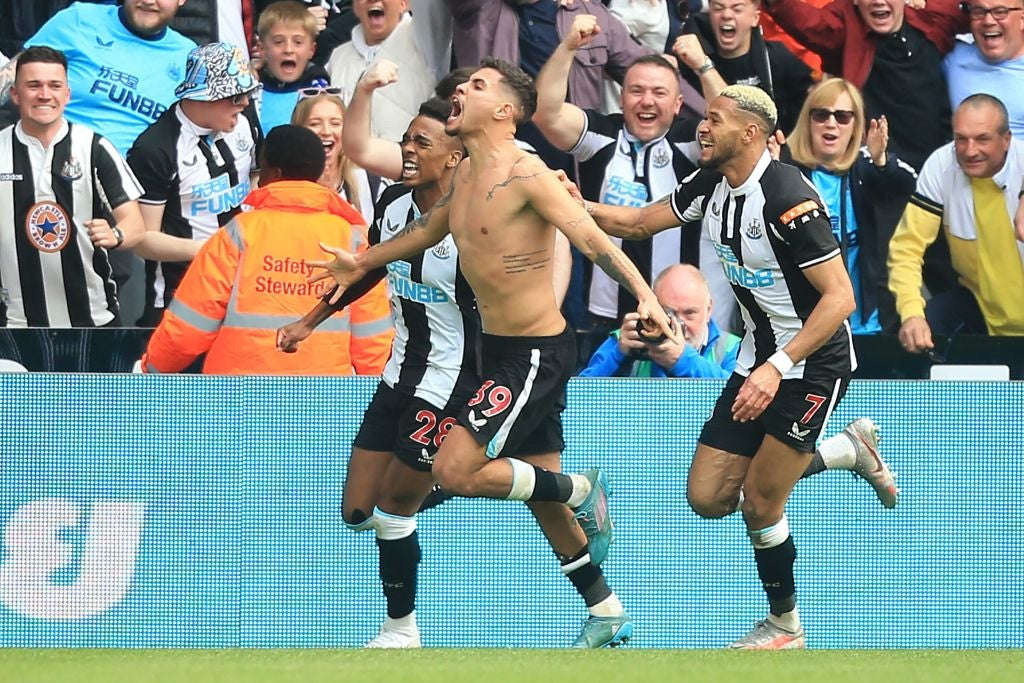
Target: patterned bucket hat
pixel 216 71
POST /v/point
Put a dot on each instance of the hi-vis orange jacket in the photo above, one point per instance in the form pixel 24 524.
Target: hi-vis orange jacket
pixel 250 279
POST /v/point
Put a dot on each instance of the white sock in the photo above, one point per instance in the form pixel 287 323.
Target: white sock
pixel 790 621
pixel 838 452
pixel 406 624
pixel 609 607
pixel 580 490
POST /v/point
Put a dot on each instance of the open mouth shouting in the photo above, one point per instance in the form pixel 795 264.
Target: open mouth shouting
pixel 376 19
pixel 410 169
pixel 727 33
pixel 456 114
pixel 329 146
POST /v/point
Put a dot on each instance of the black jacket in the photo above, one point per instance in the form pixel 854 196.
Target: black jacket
pixel 775 69
pixel 197 19
pixel 869 183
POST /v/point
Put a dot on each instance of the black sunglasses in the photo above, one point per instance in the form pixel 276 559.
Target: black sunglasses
pixel 821 115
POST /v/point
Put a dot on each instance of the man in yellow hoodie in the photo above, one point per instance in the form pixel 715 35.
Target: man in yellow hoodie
pixel 250 278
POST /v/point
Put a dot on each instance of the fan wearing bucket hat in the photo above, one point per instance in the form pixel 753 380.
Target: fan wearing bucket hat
pixel 195 162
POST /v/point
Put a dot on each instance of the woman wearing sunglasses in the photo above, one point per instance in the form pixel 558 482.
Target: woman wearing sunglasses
pixel 322 111
pixel 846 159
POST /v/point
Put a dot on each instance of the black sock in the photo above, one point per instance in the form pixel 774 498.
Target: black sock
pixel 775 567
pixel 436 496
pixel 551 486
pixel 817 465
pixel 398 564
pixel 588 580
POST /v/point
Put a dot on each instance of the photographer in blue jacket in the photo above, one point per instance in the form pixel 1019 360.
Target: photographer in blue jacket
pixel 706 351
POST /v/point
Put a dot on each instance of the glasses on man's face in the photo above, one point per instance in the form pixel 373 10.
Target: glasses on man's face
pixel 314 91
pixel 241 99
pixel 998 13
pixel 822 115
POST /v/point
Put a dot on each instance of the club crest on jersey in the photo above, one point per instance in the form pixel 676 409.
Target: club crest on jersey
pixel 661 158
pixel 442 250
pixel 71 170
pixel 754 230
pixel 714 208
pixel 48 227
pixel 241 144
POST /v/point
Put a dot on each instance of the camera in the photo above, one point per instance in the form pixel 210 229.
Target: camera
pixel 660 337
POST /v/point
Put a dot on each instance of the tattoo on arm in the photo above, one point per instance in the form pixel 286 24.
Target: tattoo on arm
pixel 421 222
pixel 576 222
pixel 613 264
pixel 521 263
pixel 511 178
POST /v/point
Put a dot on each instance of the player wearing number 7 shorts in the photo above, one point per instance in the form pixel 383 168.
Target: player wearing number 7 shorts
pixel 775 243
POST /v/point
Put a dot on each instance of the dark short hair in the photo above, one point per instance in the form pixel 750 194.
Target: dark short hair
pixel 296 151
pixel 437 109
pixel 40 54
pixel 654 60
pixel 980 99
pixel 519 82
pixel 445 89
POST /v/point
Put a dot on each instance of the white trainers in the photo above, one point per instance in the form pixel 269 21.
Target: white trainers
pixel 869 464
pixel 767 636
pixel 394 637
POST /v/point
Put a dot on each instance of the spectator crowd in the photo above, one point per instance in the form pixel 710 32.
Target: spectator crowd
pixel 134 188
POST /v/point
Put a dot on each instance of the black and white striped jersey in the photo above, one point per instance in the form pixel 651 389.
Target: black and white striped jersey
pixel 50 273
pixel 616 168
pixel 437 326
pixel 766 231
pixel 199 176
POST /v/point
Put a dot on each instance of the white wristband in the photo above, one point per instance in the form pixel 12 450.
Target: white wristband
pixel 782 362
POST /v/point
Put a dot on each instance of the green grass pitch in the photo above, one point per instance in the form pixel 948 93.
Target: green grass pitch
pixel 501 666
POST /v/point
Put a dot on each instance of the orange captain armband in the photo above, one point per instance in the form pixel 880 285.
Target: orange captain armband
pixel 798 210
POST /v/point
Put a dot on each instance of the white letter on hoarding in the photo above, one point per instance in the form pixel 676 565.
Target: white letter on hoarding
pixel 34 550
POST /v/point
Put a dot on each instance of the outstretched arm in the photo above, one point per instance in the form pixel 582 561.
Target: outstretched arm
pixel 289 336
pixel 376 155
pixel 347 268
pixel 553 203
pixel 563 123
pixel 634 223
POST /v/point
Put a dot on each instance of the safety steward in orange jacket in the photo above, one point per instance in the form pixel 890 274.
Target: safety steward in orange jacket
pixel 250 279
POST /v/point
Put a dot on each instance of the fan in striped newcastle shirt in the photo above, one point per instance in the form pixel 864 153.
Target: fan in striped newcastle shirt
pixel 66 197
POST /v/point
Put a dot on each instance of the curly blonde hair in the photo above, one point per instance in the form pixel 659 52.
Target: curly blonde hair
pixel 755 102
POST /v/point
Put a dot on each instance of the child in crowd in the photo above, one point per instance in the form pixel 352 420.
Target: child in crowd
pixel 287 35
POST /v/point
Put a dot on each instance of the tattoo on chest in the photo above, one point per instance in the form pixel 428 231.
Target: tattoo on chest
pixel 521 263
pixel 511 179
